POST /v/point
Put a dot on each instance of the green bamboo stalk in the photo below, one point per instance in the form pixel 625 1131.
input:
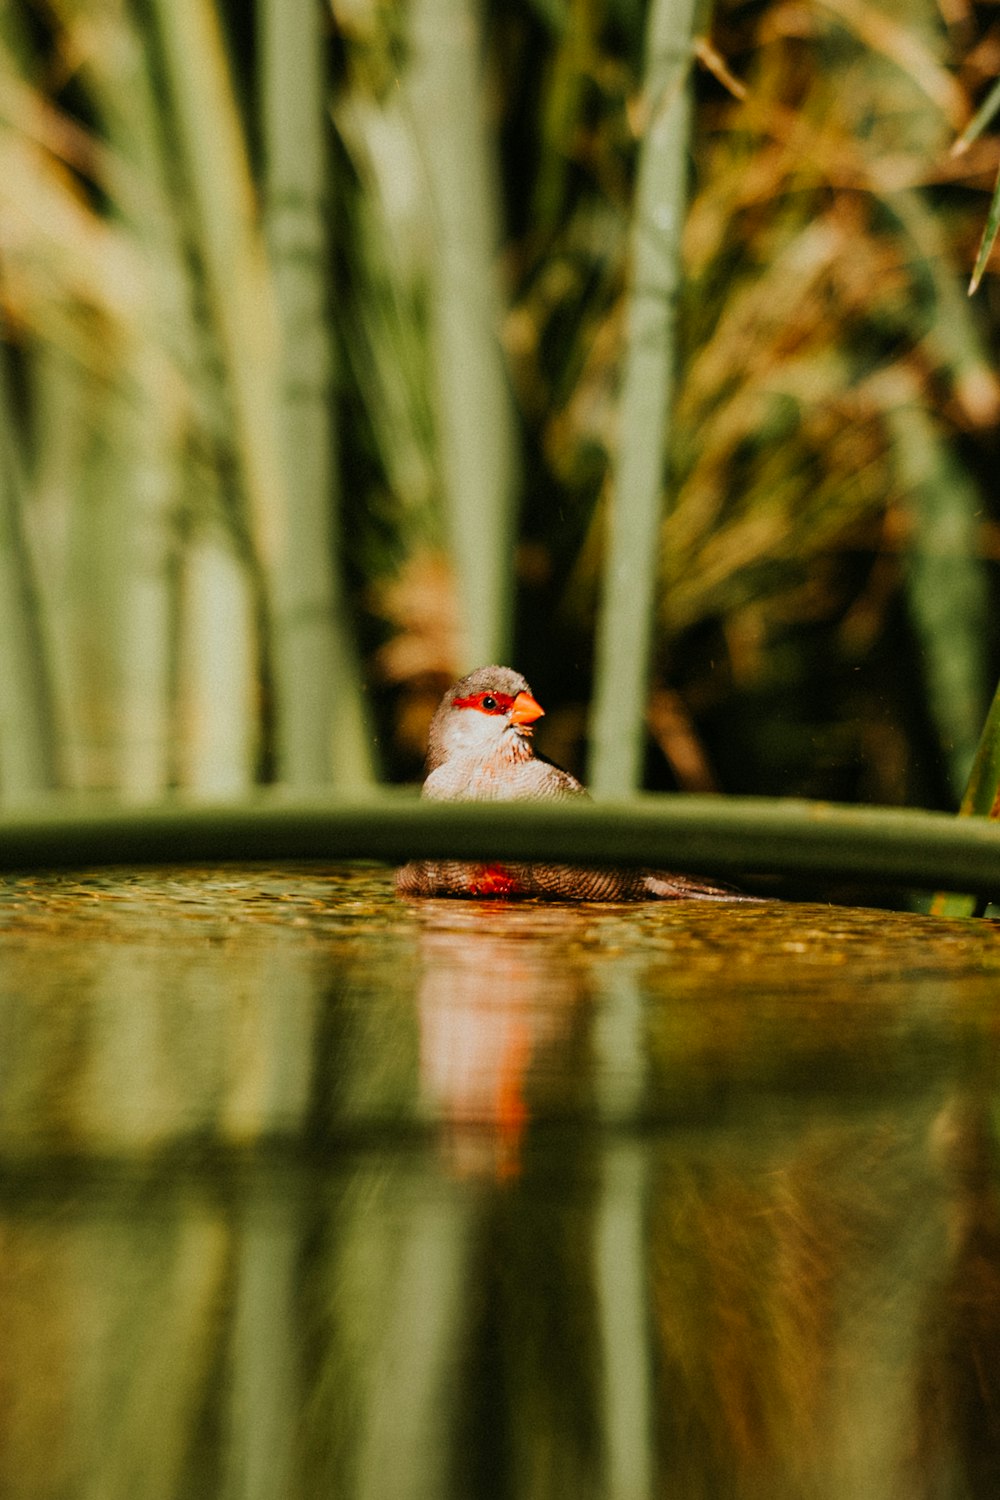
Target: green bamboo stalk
pixel 75 534
pixel 147 502
pixel 92 617
pixel 903 848
pixel 625 623
pixel 241 299
pixel 214 160
pixel 163 401
pixel 59 403
pixel 142 407
pixel 324 732
pixel 28 758
pixel 103 573
pixel 475 412
pixel 217 669
pixel 384 340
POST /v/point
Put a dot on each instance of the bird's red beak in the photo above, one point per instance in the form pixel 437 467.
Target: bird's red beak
pixel 525 710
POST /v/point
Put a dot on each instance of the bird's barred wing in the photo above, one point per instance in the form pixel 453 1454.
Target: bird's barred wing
pixel 545 779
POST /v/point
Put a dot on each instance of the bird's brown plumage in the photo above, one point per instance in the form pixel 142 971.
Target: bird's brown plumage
pixel 480 749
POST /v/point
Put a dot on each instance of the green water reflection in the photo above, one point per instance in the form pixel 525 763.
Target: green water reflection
pixel 307 1192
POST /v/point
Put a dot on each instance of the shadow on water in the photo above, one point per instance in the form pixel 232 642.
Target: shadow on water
pixel 304 1191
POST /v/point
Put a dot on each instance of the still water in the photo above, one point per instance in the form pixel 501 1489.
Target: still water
pixel 307 1192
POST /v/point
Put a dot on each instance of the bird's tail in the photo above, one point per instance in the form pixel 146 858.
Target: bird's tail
pixel 690 888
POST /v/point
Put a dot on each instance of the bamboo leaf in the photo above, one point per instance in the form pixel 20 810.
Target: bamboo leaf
pixel 988 239
pixel 983 117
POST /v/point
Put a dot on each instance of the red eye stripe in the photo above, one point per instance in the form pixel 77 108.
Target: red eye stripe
pixel 501 702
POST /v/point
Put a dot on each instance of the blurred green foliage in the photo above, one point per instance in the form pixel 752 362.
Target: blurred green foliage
pixel 824 621
pixel 824 609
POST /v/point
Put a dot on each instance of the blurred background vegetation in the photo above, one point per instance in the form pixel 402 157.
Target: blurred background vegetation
pixel 324 367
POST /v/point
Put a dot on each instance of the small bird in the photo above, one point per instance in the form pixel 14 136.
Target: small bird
pixel 480 749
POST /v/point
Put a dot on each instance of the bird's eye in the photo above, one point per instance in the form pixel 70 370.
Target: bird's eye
pixel 489 703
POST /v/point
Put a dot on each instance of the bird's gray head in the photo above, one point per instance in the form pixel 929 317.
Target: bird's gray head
pixel 489 707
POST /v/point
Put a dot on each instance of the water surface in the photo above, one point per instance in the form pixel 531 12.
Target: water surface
pixel 307 1191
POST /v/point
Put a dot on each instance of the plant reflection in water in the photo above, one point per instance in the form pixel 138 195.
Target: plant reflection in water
pixel 307 1191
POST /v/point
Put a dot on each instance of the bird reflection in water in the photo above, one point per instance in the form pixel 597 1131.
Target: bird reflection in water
pixel 491 993
pixel 710 1205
